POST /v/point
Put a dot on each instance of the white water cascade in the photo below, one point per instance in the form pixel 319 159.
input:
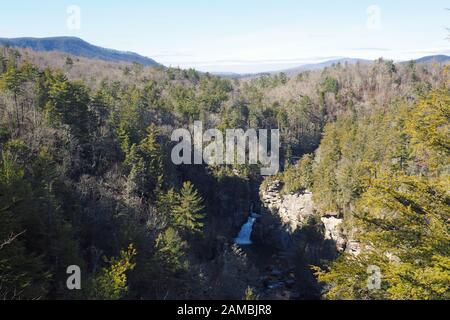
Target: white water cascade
pixel 246 231
pixel 244 236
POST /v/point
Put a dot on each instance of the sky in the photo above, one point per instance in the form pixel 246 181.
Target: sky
pixel 240 35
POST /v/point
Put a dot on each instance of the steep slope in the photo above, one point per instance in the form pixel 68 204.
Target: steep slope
pixel 77 47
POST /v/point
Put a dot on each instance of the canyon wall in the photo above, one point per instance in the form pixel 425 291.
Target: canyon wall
pixel 292 223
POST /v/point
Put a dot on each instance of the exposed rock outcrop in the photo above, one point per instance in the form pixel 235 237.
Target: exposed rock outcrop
pixel 295 211
pixel 292 209
pixel 334 231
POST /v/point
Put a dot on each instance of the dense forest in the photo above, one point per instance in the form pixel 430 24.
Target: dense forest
pixel 86 177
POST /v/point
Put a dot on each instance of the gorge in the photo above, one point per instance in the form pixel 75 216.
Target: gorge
pixel 86 170
pixel 278 240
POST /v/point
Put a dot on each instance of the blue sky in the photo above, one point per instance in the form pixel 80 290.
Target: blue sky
pixel 245 35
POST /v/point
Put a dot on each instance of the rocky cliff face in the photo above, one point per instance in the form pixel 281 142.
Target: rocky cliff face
pixel 333 231
pixel 290 228
pixel 295 213
pixel 293 209
pixel 289 236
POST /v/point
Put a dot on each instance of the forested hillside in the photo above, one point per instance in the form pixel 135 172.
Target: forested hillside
pixel 86 176
pixel 387 174
pixel 77 47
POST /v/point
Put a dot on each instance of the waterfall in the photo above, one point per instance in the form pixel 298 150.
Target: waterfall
pixel 244 236
pixel 246 231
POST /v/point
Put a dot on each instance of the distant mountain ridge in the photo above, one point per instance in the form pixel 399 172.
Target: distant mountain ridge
pixel 77 47
pixel 321 65
pixel 438 58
